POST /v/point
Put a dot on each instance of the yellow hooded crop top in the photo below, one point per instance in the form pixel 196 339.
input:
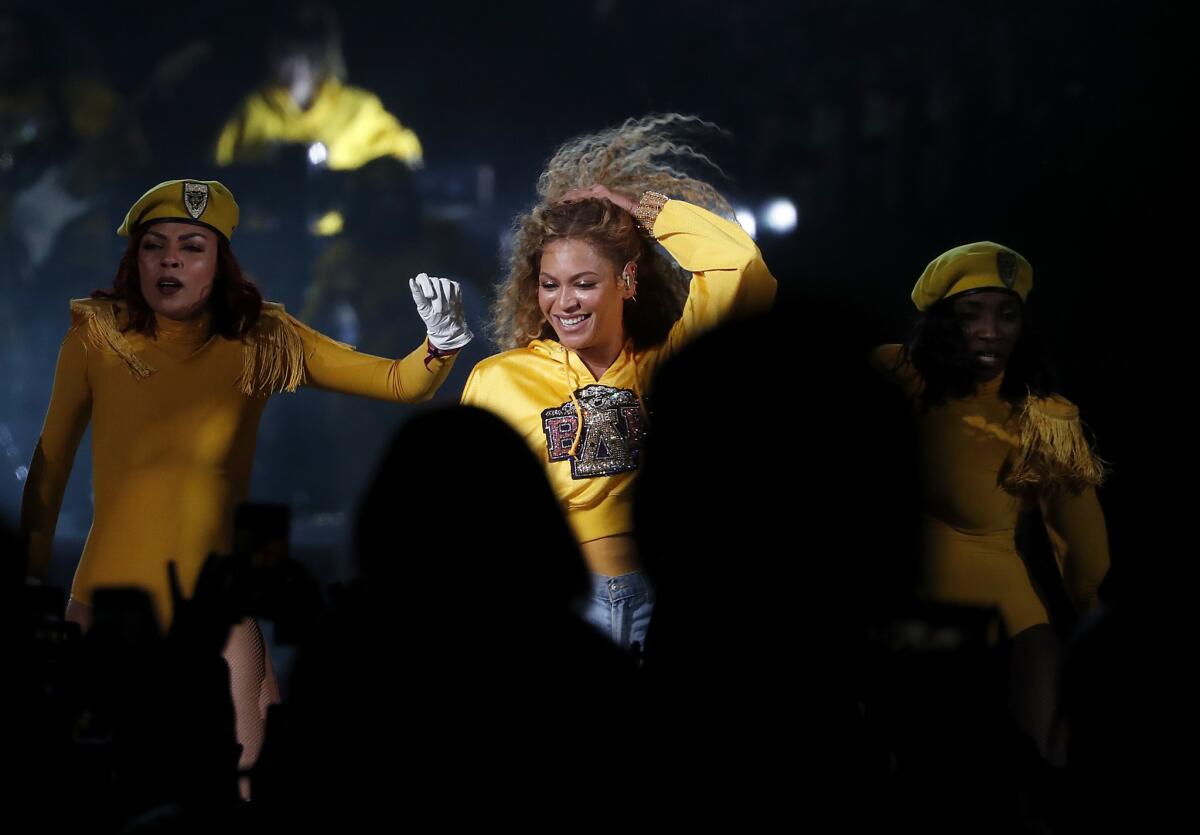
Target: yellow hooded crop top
pixel 543 389
pixel 174 422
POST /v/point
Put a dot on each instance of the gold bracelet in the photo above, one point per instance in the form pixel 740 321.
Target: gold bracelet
pixel 647 209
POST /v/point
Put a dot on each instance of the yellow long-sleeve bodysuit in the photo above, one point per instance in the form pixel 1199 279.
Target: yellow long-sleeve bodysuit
pixel 543 389
pixel 350 122
pixel 173 434
pixel 969 520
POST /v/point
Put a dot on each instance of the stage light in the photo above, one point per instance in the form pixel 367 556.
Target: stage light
pixel 781 216
pixel 745 219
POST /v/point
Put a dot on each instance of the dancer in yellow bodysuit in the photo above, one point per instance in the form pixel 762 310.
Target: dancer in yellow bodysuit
pixel 172 367
pixel 994 440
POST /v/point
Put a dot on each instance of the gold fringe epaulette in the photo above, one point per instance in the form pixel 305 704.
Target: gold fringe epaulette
pixel 273 356
pixel 1055 455
pixel 103 331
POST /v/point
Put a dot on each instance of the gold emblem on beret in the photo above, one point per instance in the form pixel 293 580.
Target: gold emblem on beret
pixel 1006 267
pixel 195 199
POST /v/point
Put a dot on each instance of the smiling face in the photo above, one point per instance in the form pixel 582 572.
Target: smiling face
pixel 991 326
pixel 582 295
pixel 177 264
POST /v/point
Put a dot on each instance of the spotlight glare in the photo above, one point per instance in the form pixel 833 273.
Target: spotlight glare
pixel 317 153
pixel 781 216
pixel 745 219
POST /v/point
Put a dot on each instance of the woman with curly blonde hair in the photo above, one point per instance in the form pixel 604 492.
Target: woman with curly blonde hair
pixel 620 263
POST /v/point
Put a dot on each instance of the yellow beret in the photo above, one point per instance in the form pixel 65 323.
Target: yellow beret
pixel 205 202
pixel 972 267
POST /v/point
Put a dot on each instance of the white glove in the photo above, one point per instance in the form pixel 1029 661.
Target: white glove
pixel 439 301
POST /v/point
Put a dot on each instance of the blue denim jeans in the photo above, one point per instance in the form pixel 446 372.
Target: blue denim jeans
pixel 619 607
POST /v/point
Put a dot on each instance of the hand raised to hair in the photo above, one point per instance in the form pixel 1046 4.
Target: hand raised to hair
pixel 439 301
pixel 621 200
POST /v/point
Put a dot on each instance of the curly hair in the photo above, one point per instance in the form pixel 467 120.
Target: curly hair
pixel 235 301
pixel 646 154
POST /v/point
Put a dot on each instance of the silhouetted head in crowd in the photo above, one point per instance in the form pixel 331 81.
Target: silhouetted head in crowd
pixel 460 508
pixel 776 517
pixel 465 648
pixel 778 493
